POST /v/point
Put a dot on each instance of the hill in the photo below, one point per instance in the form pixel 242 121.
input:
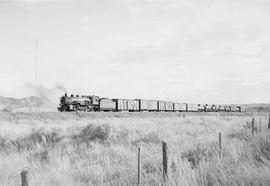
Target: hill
pixel 26 104
pixel 257 107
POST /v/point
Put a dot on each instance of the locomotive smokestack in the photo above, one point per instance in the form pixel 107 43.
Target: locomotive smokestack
pixel 65 94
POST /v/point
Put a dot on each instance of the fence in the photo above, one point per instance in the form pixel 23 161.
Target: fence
pixel 165 168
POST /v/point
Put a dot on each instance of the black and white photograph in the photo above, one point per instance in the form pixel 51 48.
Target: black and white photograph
pixel 134 93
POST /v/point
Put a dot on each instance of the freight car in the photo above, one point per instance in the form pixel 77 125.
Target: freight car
pixel 169 106
pixel 201 108
pixel 208 108
pixel 180 107
pixel 161 105
pixel 106 104
pixel 148 105
pixel 192 107
pixel 95 103
pixel 214 108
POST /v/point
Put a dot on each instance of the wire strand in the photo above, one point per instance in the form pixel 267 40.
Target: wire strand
pixel 117 180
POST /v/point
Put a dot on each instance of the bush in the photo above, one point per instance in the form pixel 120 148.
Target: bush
pixel 92 133
pixel 37 137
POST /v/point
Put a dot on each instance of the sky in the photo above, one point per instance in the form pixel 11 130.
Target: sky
pixel 195 51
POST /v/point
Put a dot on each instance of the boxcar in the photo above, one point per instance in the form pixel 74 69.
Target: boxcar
pixel 161 105
pixel 133 105
pixel 106 104
pixel 121 104
pixel 192 107
pixel 148 105
pixel 181 107
pixel 168 106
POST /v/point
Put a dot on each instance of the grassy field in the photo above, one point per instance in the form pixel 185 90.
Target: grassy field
pixel 101 148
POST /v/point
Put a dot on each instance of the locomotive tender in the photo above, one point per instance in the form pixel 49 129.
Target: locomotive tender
pixel 95 104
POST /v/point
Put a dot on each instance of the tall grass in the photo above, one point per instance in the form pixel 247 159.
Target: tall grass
pixel 98 148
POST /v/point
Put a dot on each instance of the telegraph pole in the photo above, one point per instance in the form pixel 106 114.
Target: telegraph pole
pixel 36 76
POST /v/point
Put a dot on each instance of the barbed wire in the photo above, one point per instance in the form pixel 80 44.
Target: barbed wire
pixel 118 180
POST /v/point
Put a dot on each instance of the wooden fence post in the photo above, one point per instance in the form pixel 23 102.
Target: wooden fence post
pixel 139 166
pixel 10 114
pixel 252 126
pixel 24 178
pixel 165 160
pixel 269 123
pixel 219 141
pixel 260 127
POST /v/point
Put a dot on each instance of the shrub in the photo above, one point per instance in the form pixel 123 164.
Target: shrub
pixel 37 137
pixel 92 133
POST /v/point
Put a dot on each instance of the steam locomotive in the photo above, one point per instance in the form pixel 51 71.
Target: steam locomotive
pixel 97 104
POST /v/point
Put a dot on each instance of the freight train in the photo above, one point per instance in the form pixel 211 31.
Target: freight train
pixel 97 104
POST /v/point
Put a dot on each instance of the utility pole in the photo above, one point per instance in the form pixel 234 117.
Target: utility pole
pixel 36 76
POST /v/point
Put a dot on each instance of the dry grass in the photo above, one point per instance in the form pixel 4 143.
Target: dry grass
pixel 98 148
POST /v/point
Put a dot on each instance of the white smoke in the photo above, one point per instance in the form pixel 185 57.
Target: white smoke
pixel 45 94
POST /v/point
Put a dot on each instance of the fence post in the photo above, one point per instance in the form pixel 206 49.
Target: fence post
pixel 219 141
pixel 10 114
pixel 252 126
pixel 24 178
pixel 139 166
pixel 165 160
pixel 269 122
pixel 260 129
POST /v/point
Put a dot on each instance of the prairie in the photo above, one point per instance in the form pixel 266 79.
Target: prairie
pixel 101 148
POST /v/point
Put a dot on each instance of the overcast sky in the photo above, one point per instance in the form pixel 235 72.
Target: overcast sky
pixel 200 51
